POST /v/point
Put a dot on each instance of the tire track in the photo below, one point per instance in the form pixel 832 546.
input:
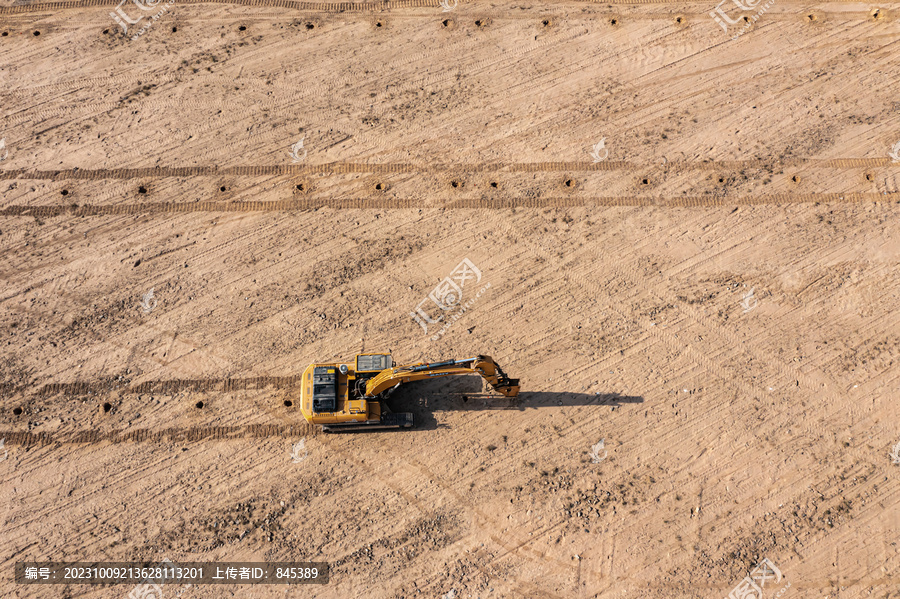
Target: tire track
pixel 142 435
pixel 568 201
pixel 332 7
pixel 468 203
pixel 168 387
pixel 328 7
pixel 343 168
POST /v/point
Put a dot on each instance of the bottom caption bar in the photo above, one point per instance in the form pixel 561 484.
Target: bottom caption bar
pixel 169 572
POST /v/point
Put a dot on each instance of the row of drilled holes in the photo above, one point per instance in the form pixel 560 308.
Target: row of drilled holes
pixel 383 186
pixel 199 405
pixel 875 15
pixel 309 26
pixel 142 189
pixel 455 184
pixel 568 183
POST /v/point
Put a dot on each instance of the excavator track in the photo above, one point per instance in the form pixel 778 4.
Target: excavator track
pixel 168 435
pixel 388 421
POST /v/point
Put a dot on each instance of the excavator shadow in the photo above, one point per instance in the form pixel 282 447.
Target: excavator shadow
pixel 427 398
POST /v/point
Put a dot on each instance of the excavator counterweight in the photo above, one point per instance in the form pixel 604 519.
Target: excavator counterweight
pixel 344 397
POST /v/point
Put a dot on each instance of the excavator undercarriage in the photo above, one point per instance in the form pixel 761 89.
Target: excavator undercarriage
pixel 343 397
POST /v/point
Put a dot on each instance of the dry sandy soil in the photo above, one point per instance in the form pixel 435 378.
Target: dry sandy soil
pixel 713 293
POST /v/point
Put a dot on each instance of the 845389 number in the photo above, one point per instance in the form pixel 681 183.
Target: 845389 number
pixel 304 573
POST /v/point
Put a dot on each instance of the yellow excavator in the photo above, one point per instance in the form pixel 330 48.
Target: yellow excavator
pixel 340 397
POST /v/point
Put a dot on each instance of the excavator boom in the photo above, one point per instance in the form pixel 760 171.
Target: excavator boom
pixel 389 379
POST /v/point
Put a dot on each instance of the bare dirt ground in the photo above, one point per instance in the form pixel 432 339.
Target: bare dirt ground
pixel 713 292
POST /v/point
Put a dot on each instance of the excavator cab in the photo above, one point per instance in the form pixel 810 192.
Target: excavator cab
pixel 373 362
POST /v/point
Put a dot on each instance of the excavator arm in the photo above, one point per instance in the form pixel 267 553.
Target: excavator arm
pixel 391 378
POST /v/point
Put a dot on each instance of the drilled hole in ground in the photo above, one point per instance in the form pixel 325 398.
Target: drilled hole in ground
pixel 107 407
pixel 795 178
pixel 142 189
pixel 310 26
pixel 37 33
pixel 17 411
pixel 721 179
pixel 545 22
pixel 494 184
pixel 5 33
pixel 378 23
pixel 105 31
pixel 455 184
pixel 613 21
pixel 379 186
pixel 569 183
pixel 811 17
pixel 876 14
pixel 242 28
pixel 174 29
pixel 479 23
pixel 446 23
pixel 679 20
pixel 301 187
pixel 288 403
pixel 199 405
pixel 64 192
pixel 222 188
